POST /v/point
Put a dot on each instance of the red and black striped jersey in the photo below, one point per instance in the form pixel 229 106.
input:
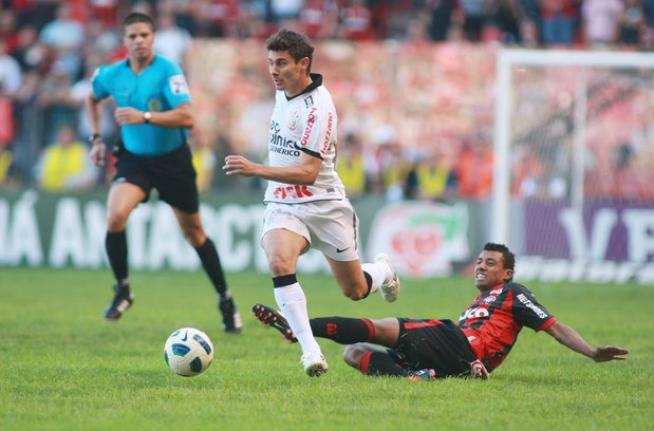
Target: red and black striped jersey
pixel 495 318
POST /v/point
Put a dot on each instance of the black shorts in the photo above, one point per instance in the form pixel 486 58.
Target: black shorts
pixel 171 174
pixel 437 344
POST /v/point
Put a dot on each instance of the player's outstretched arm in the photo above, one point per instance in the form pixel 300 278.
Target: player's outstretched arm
pixel 567 336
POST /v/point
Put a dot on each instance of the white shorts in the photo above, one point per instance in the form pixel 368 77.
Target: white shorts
pixel 330 226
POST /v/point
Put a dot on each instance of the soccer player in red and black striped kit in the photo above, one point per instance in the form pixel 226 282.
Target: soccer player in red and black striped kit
pixel 424 349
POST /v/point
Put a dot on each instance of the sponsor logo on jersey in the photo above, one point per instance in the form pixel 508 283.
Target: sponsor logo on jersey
pixel 311 121
pixel 328 133
pixel 530 305
pixel 280 144
pixel 178 85
pixel 474 312
pixel 292 192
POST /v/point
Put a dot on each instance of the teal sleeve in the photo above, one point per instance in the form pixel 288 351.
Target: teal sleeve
pixel 99 90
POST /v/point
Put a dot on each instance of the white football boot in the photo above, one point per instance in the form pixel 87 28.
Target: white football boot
pixel 314 364
pixel 390 288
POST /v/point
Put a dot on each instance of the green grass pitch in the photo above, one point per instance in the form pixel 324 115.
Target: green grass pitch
pixel 63 368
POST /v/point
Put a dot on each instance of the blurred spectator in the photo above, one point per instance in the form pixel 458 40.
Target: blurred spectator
pixel 558 20
pixel 102 40
pixel 29 53
pixel 529 34
pixel 632 23
pixel 441 18
pixel 350 165
pixel 531 11
pixel 601 21
pixel 65 165
pixel 505 16
pixel 171 41
pixel 8 30
pixel 435 178
pixel 10 82
pixel 56 101
pixel 223 16
pixel 204 161
pixel 628 183
pixel 356 21
pixel 283 10
pixel 37 13
pixel 66 36
pixel 395 169
pixel 473 18
pixel 474 169
pixel 6 159
pixel 10 73
pixel 319 19
pixel 144 6
pixel 106 11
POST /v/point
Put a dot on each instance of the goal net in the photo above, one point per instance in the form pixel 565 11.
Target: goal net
pixel 574 170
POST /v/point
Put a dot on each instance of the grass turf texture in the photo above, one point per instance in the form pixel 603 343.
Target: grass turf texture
pixel 63 368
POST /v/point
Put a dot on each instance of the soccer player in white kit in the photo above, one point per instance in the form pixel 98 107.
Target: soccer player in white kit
pixel 305 200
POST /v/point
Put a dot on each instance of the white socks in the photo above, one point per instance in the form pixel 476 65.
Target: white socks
pixel 293 304
pixel 379 272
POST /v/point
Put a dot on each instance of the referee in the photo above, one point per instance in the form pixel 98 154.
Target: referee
pixel 153 111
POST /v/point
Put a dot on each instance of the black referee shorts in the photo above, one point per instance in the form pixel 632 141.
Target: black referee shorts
pixel 437 344
pixel 171 174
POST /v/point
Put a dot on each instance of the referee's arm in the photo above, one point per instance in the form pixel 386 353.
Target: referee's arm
pixel 180 116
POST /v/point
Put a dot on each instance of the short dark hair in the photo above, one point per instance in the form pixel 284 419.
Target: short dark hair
pixel 507 256
pixel 135 17
pixel 297 45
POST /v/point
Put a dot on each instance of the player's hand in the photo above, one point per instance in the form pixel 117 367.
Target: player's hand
pixel 239 165
pixel 128 116
pixel 609 353
pixel 98 152
pixel 478 370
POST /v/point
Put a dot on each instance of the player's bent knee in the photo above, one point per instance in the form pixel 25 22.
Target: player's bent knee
pixel 354 295
pixel 281 266
pixel 355 292
pixel 116 221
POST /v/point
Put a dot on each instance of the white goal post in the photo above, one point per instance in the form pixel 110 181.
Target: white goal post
pixel 511 60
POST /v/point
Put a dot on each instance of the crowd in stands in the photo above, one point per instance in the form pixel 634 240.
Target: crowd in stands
pixel 50 48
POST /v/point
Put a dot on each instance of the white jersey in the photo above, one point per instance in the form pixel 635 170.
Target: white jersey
pixel 306 124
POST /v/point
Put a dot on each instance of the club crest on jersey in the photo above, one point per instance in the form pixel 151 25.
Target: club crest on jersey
pixel 154 105
pixel 489 299
pixel 294 121
pixel 308 101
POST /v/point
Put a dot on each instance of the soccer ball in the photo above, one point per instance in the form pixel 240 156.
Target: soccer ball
pixel 188 352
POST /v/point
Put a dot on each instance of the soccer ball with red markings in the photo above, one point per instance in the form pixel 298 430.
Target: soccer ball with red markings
pixel 188 352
